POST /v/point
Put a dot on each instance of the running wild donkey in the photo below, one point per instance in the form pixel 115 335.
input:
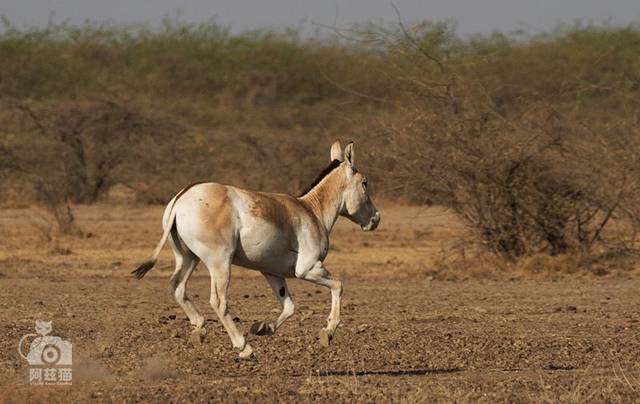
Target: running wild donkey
pixel 276 234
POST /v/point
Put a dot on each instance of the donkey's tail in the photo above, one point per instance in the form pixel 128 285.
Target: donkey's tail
pixel 151 261
pixel 146 266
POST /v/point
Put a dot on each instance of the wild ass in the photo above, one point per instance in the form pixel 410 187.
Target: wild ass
pixel 277 234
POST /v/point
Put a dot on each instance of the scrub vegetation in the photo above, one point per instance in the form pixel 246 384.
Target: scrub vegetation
pixel 533 142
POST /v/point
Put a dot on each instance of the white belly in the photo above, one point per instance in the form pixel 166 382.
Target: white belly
pixel 264 247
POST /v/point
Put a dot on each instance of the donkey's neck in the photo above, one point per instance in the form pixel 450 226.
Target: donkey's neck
pixel 326 198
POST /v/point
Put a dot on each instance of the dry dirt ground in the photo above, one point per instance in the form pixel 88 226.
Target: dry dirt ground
pixel 408 333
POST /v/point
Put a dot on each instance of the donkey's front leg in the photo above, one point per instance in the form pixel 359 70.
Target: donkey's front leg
pixel 320 276
pixel 280 289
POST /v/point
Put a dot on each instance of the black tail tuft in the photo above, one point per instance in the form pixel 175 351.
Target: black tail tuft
pixel 143 268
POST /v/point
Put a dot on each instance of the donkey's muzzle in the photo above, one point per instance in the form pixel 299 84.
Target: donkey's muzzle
pixel 373 223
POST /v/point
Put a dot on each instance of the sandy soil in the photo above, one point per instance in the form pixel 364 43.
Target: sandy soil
pixel 406 334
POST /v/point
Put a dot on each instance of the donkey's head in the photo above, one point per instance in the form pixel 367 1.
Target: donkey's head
pixel 358 206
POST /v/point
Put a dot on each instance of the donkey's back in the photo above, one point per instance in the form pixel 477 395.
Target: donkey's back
pixel 264 230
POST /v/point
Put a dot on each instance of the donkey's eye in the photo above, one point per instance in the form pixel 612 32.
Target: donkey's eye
pixel 364 184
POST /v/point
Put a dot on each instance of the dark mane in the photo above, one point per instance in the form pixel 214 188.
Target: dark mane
pixel 332 166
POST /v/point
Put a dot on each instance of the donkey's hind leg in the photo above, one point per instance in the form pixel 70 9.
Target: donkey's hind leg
pixel 219 265
pixel 186 262
pixel 280 289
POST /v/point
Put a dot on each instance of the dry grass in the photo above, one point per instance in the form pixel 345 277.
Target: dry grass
pixel 412 241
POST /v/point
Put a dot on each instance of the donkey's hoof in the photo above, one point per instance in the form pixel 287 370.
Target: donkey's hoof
pixel 262 328
pixel 197 321
pixel 246 353
pixel 325 338
pixel 197 337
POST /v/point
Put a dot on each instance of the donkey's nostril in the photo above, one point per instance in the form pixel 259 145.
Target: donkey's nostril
pixel 375 221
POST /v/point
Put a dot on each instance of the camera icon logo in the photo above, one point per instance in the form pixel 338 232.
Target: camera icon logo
pixel 46 350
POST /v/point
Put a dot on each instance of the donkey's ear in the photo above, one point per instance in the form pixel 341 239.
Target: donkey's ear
pixel 336 151
pixel 348 154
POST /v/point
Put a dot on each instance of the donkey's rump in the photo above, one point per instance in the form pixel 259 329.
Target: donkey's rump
pixel 205 216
